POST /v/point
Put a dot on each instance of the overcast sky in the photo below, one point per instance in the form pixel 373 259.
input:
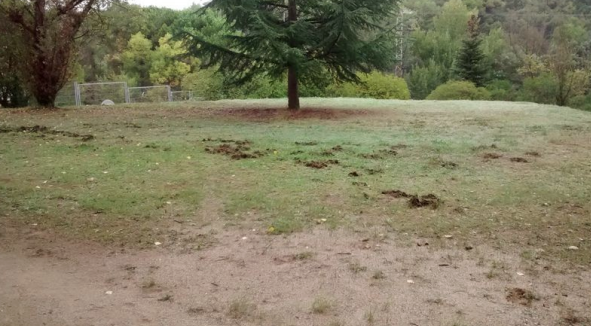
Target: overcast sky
pixel 174 4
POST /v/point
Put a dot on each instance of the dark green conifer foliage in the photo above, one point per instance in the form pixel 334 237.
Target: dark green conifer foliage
pixel 470 64
pixel 303 38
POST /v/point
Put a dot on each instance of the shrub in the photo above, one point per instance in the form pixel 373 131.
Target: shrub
pixel 206 84
pixel 581 102
pixel 423 80
pixel 374 85
pixel 263 87
pixel 459 90
pixel 381 86
pixel 344 90
pixel 541 89
pixel 501 90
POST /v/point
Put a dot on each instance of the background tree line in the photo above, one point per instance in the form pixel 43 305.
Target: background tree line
pixel 514 50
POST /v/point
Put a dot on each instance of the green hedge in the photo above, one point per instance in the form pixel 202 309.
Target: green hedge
pixel 459 90
pixel 373 85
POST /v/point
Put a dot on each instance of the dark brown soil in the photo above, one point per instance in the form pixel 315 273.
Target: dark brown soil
pixel 425 201
pixel 337 148
pixel 43 130
pixel 236 152
pixel 318 164
pixel 491 156
pixel 311 143
pixel 416 201
pixel 398 146
pixel 520 296
pixel 449 165
pixel 483 147
pixel 354 174
pixel 226 141
pixel 519 160
pixel 372 156
pixel 257 114
pixel 396 194
pixel 374 171
pixel 389 152
pixel 380 154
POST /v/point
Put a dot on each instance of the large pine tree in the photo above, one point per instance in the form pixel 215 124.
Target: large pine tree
pixel 470 65
pixel 303 38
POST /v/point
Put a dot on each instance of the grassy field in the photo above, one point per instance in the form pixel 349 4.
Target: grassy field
pixel 515 176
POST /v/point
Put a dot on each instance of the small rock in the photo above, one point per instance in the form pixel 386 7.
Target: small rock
pixel 448 236
pixel 90 179
pixel 573 248
pixel 468 248
pixel 109 292
pixel 410 281
pixel 244 238
pixel 520 274
pixel 157 243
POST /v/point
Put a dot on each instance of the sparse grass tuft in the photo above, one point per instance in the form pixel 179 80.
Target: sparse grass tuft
pixel 304 255
pixel 370 317
pixel 357 268
pixel 148 284
pixel 321 305
pixel 378 275
pixel 241 309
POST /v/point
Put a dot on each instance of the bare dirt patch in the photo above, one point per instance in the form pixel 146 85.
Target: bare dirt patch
pixel 43 130
pixel 259 114
pixel 520 296
pixel 318 164
pixel 251 282
pixel 310 143
pixel 519 160
pixel 416 201
pixel 491 156
pixel 236 149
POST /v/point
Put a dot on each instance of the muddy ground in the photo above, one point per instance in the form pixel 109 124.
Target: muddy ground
pixel 250 278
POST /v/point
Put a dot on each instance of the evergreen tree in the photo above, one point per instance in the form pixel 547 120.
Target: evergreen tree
pixel 470 64
pixel 305 38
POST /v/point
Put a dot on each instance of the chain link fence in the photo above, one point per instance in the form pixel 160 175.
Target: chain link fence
pixel 109 93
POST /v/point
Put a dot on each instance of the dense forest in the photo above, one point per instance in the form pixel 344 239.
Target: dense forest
pixel 509 50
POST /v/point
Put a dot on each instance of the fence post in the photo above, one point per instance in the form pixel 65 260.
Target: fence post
pixel 77 94
pixel 126 90
pixel 169 93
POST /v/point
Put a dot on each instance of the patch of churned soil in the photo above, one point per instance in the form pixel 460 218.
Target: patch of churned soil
pixel 250 278
pixel 265 114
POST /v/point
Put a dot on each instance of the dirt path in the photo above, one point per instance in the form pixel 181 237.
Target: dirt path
pixel 320 278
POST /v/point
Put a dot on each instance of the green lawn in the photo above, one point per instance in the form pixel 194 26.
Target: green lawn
pixel 149 168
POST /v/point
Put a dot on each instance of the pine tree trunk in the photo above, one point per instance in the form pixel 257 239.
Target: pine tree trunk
pixel 293 88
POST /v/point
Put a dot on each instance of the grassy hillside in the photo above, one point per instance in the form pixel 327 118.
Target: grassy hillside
pixel 513 175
